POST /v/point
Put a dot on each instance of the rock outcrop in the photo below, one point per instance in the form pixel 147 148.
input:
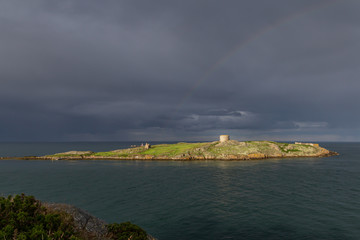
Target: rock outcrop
pixel 90 227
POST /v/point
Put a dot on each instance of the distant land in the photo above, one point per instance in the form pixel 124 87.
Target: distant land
pixel 224 149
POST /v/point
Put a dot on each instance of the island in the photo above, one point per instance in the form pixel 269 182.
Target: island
pixel 224 149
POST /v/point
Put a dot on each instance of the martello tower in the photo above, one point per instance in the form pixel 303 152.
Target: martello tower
pixel 224 138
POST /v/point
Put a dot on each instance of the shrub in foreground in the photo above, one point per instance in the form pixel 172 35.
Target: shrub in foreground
pixel 125 231
pixel 23 217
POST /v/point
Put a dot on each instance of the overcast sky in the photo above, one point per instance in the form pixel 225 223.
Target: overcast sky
pixel 179 70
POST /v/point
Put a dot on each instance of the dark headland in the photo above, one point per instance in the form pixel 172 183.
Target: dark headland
pixel 224 149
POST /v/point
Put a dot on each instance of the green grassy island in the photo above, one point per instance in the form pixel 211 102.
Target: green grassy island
pixel 224 149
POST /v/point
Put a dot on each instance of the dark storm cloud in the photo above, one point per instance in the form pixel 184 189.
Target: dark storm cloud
pixel 119 70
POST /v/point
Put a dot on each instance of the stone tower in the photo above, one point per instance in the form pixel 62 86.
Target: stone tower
pixel 224 138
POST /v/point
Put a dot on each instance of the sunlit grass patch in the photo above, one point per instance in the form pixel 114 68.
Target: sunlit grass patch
pixel 172 149
pixel 110 154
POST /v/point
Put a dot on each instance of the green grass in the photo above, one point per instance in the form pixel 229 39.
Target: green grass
pixel 169 150
pixel 238 149
pixel 173 149
pixel 291 148
pixel 110 154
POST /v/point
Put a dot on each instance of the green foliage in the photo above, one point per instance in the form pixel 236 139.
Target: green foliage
pixel 125 231
pixel 23 217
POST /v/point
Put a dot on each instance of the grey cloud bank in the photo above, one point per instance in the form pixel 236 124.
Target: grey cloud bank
pixel 179 70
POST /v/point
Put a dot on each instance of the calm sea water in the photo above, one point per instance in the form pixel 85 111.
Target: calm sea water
pixel 304 198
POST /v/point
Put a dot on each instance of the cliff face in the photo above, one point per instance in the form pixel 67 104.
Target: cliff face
pixel 228 150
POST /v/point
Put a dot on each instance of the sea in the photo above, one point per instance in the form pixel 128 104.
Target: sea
pixel 299 198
